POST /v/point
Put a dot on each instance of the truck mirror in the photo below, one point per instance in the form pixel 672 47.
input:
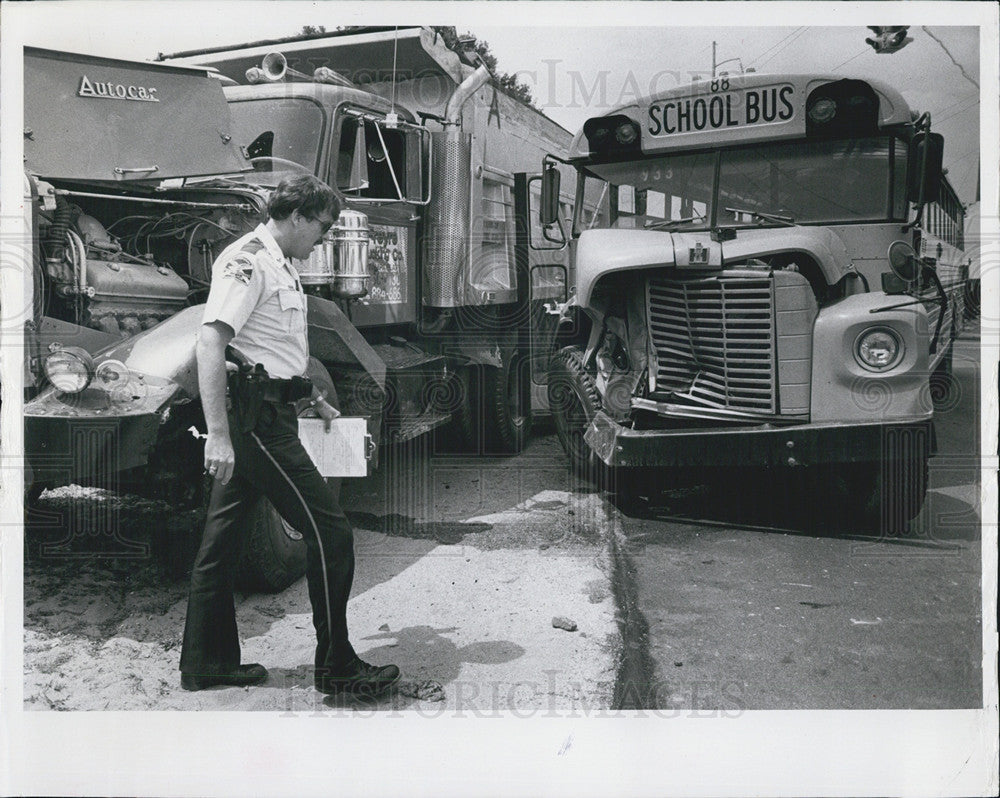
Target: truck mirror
pixel 549 211
pixel 933 145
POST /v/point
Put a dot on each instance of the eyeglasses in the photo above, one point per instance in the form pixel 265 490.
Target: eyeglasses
pixel 325 224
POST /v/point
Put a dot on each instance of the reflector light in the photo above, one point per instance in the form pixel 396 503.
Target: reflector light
pixel 111 375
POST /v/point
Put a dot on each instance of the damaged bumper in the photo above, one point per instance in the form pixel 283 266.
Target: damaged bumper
pixel 766 445
pixel 91 436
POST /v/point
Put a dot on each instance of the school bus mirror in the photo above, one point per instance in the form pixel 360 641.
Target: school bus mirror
pixel 931 172
pixel 549 210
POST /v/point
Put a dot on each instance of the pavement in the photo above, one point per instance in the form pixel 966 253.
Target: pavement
pixel 459 584
pixel 471 626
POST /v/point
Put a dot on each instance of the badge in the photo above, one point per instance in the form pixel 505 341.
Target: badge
pixel 239 268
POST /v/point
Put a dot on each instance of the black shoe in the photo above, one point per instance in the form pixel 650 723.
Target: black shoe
pixel 358 679
pixel 243 676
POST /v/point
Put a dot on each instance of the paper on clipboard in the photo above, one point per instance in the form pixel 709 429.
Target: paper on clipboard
pixel 342 451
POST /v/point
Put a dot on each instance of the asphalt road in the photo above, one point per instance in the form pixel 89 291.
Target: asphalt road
pixel 731 614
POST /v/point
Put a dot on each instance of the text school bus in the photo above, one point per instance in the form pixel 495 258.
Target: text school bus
pixel 777 285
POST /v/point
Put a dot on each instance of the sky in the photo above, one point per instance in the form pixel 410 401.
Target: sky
pixel 612 52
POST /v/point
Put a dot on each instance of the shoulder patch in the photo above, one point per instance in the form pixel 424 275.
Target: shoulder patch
pixel 239 267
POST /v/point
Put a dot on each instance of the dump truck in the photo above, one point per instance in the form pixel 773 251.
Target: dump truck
pixel 428 302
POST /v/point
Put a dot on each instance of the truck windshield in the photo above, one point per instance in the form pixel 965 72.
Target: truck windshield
pixel 285 133
pixel 771 184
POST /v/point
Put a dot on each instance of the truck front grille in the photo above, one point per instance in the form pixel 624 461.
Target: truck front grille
pixel 713 340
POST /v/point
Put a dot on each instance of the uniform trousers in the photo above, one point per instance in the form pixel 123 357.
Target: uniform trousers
pixel 269 461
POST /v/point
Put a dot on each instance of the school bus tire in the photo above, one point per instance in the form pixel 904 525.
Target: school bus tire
pixel 574 401
pixel 274 554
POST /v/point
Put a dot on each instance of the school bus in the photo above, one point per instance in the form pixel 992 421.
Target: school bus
pixel 777 286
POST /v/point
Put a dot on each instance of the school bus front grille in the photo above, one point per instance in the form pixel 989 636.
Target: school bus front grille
pixel 713 340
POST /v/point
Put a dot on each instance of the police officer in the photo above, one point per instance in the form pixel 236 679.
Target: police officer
pixel 257 308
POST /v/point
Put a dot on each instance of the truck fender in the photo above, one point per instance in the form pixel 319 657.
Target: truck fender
pixel 166 351
pixel 479 353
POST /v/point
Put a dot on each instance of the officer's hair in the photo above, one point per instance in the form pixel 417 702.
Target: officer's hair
pixel 306 194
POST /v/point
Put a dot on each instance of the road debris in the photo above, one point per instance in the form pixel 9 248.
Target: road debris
pixel 559 622
pixel 428 690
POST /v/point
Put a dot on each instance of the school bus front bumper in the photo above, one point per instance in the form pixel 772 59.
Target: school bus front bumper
pixel 763 445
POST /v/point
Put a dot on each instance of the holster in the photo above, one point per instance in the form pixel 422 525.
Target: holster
pixel 247 386
pixel 251 386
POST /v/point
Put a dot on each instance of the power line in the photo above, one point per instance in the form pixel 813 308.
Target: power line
pixel 755 60
pixel 959 112
pixel 794 37
pixel 777 44
pixel 955 104
pixel 849 60
pixel 948 52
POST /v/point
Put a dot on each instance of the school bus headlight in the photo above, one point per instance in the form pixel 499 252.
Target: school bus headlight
pixel 69 369
pixel 822 110
pixel 878 349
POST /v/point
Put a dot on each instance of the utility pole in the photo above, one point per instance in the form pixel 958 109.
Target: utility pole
pixel 716 64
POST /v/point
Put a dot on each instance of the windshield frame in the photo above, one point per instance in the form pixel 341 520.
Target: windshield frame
pixel 887 214
pixel 320 143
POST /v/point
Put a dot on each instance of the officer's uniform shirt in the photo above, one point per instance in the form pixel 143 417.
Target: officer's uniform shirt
pixel 256 291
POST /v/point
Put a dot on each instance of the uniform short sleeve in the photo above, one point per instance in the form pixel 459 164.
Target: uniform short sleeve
pixel 237 285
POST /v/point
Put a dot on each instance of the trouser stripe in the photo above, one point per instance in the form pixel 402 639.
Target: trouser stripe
pixel 319 541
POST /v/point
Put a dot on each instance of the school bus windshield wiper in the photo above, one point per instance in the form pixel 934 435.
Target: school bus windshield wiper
pixel 666 224
pixel 764 216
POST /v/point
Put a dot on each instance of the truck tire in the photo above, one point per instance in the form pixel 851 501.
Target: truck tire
pixel 574 401
pixel 507 401
pixel 467 417
pixel 274 555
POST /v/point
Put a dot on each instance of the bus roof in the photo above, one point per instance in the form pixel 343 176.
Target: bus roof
pixel 737 109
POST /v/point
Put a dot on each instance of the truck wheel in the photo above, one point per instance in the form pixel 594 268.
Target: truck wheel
pixel 574 401
pixel 467 418
pixel 274 555
pixel 507 399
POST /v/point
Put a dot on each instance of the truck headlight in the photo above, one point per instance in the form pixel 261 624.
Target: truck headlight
pixel 69 369
pixel 878 349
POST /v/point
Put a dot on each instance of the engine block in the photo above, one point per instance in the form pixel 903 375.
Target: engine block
pixel 125 298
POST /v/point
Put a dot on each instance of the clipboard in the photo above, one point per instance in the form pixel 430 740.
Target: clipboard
pixel 344 451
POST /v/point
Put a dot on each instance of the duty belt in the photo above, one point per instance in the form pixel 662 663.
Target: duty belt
pixel 250 387
pixel 290 390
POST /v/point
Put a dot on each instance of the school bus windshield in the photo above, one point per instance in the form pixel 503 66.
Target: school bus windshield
pixel 804 182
